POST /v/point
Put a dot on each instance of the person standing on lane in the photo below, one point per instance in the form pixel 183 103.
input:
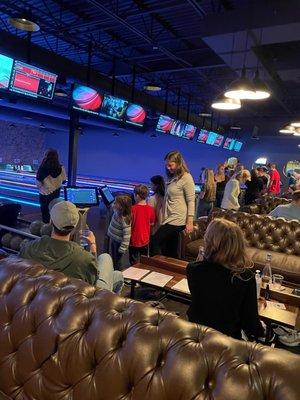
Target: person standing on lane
pixel 179 207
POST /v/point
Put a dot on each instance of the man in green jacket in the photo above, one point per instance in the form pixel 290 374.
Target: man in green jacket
pixel 59 253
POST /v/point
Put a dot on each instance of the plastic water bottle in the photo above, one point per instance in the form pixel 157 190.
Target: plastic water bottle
pixel 258 282
pixel 200 254
pixel 267 271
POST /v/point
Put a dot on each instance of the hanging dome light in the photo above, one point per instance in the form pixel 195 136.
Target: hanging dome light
pixel 152 87
pixel 241 89
pixel 296 124
pixel 287 129
pixel 24 22
pixel 297 132
pixel 261 89
pixel 225 103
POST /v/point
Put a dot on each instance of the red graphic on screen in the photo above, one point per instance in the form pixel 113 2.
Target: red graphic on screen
pixel 26 83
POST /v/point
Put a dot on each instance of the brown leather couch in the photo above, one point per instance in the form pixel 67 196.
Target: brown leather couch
pixel 63 339
pixel 264 235
pixel 265 204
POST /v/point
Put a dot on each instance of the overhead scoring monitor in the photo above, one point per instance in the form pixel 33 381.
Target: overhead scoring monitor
pixel 32 81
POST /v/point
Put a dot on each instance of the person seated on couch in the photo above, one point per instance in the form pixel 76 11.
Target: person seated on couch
pixel 288 211
pixel 222 284
pixel 59 253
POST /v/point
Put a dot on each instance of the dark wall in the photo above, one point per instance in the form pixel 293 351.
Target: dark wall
pixel 135 155
pixel 21 142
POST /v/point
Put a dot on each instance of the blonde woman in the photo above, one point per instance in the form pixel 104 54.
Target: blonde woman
pixel 179 207
pixel 207 196
pixel 222 285
pixel 221 180
pixel 232 190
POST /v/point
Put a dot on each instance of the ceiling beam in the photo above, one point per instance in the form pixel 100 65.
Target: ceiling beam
pixel 174 70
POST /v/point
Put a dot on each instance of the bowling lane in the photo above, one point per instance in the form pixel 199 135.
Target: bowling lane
pixel 20 186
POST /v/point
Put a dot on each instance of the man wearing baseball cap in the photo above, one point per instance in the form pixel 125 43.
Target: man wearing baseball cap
pixel 59 253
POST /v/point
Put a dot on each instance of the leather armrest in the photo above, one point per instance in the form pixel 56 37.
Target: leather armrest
pixel 199 229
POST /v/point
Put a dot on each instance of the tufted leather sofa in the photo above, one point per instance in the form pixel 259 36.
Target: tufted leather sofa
pixel 265 204
pixel 61 339
pixel 264 235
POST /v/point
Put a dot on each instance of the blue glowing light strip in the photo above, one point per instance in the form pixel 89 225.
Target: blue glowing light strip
pixel 16 200
pixel 19 190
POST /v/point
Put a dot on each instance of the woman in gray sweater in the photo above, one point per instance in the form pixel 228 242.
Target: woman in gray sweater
pixel 179 206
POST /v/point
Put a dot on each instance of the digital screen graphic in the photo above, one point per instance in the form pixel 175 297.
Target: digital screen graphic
pixel 86 99
pixel 82 196
pixel 229 143
pixel 113 108
pixel 237 146
pixel 6 64
pixel 164 124
pixel 203 136
pixel 135 115
pixel 183 130
pixel 32 81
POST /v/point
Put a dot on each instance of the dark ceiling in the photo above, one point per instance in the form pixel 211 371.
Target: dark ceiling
pixel 196 47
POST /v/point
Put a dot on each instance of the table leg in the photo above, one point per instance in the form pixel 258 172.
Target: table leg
pixel 132 290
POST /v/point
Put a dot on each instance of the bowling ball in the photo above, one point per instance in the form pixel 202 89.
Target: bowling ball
pixel 35 227
pixel 24 242
pixel 46 230
pixel 15 243
pixel 6 239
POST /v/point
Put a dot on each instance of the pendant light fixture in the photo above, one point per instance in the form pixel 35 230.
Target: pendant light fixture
pixel 24 22
pixel 261 89
pixel 241 89
pixel 287 129
pixel 296 124
pixel 152 87
pixel 226 104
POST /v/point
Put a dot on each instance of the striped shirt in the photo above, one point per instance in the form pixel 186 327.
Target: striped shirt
pixel 119 231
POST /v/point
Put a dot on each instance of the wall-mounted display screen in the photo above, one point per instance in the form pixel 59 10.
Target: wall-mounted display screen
pixel 86 99
pixel 215 139
pixel 237 146
pixel 174 127
pixel 203 136
pixel 135 115
pixel 6 64
pixel 183 130
pixel 229 143
pixel 164 124
pixel 113 108
pixel 32 81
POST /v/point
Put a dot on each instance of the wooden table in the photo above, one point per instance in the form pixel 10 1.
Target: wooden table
pixel 177 269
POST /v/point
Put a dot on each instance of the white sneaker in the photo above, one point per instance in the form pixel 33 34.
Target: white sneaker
pixel 292 339
pixel 282 330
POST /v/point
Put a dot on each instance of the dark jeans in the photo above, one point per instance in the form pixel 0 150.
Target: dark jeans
pixel 135 253
pixel 45 200
pixel 219 198
pixel 204 208
pixel 115 255
pixel 165 241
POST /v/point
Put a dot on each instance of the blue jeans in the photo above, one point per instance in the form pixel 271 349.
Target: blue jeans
pixel 108 278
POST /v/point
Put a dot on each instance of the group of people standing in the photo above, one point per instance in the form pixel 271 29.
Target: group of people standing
pixel 223 189
pixel 152 225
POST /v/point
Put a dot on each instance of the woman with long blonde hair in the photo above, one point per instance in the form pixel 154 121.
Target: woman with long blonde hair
pixel 222 283
pixel 207 196
pixel 179 207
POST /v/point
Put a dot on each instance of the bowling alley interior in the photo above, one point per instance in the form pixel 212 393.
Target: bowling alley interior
pixel 149 199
